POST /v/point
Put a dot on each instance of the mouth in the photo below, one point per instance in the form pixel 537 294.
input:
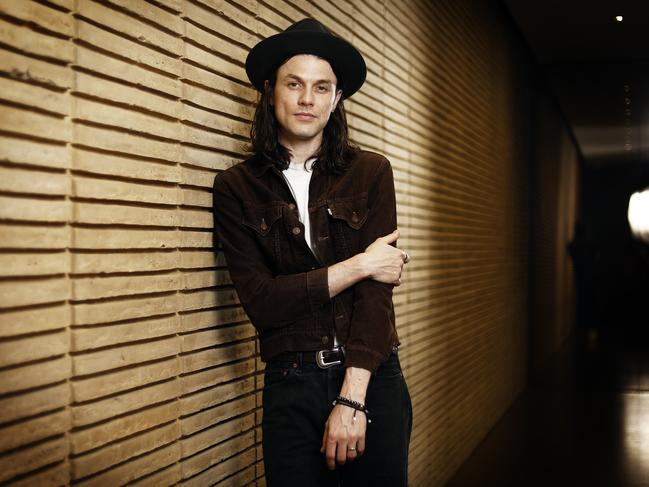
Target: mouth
pixel 304 116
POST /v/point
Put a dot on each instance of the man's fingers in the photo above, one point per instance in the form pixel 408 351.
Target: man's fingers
pixel 341 453
pixel 392 237
pixel 352 452
pixel 331 454
pixel 324 438
pixel 360 445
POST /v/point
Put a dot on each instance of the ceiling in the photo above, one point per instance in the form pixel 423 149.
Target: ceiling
pixel 598 68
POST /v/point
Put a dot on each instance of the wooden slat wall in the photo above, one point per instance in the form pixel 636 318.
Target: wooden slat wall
pixel 124 355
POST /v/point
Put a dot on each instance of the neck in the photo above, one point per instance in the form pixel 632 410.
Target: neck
pixel 301 150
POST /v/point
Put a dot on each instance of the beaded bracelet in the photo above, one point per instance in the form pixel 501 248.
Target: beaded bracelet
pixel 355 405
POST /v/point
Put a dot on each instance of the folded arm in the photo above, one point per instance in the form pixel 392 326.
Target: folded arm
pixel 275 301
pixel 372 328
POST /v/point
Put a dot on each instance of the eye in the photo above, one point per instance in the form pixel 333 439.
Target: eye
pixel 323 88
pixel 293 84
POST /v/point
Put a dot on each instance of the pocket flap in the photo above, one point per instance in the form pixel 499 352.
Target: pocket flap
pixel 261 218
pixel 353 210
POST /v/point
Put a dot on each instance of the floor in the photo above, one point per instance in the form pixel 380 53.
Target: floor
pixel 585 422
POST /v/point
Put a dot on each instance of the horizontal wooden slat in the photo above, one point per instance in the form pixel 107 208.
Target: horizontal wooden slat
pixel 23 461
pixel 125 47
pixel 130 401
pixel 114 358
pixel 214 396
pixel 32 12
pixel 34 402
pixel 92 437
pixel 134 446
pixel 28 292
pixel 34 375
pixel 87 338
pixel 32 430
pixel 34 42
pixel 135 468
pixel 32 264
pixel 84 389
pixel 23 321
pixel 35 96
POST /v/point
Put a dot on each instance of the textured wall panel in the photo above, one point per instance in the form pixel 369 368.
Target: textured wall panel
pixel 125 356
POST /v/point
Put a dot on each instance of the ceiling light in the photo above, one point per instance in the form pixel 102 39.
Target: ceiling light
pixel 619 18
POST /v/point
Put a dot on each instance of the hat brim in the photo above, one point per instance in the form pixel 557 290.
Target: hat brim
pixel 347 63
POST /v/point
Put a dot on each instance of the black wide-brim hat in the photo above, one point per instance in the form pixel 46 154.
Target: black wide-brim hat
pixel 308 36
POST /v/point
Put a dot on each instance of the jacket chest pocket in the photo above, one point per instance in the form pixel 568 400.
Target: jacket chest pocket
pixel 265 221
pixel 348 216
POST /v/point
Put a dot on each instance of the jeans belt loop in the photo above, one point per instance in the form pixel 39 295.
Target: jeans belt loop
pixel 321 360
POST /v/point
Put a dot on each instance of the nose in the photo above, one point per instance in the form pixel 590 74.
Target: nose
pixel 306 98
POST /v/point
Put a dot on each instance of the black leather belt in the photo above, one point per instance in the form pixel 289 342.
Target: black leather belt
pixel 322 358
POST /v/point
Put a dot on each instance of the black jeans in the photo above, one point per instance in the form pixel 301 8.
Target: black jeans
pixel 297 401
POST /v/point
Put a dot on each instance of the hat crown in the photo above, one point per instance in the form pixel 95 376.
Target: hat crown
pixel 308 25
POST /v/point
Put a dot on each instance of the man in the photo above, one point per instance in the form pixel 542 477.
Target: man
pixel 306 225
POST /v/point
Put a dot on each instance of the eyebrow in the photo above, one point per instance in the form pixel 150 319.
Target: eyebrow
pixel 296 77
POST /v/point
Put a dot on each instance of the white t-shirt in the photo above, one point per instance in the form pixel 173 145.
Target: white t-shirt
pixel 298 177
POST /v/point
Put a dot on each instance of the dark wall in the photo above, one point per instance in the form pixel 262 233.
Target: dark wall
pixel 554 206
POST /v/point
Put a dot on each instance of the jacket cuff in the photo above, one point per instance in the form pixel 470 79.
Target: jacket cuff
pixel 364 359
pixel 317 284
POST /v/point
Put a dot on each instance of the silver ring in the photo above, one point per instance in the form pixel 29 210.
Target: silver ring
pixel 351 448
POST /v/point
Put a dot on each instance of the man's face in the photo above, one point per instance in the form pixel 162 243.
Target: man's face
pixel 304 97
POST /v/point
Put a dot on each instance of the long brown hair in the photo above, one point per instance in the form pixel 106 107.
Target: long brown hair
pixel 335 152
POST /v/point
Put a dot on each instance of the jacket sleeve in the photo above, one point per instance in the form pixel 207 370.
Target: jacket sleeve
pixel 270 301
pixel 373 332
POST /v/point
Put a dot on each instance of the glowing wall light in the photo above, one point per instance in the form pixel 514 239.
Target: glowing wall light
pixel 639 215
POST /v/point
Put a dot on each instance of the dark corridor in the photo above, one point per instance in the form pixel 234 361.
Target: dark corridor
pixel 584 422
pixel 584 418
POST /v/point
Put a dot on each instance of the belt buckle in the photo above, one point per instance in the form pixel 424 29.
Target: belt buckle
pixel 321 357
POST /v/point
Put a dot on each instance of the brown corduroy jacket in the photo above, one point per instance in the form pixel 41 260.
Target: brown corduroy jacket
pixel 281 283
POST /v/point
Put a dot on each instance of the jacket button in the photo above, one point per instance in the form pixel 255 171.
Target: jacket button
pixel 296 230
pixel 325 339
pixel 291 206
pixel 264 226
pixel 355 217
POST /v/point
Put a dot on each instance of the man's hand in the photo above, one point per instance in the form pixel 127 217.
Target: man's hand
pixel 344 436
pixel 384 263
pixel 380 261
pixel 342 431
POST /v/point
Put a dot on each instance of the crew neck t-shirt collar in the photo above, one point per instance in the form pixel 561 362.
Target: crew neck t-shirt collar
pixel 302 166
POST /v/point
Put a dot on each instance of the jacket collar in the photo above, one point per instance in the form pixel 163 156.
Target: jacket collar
pixel 259 164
